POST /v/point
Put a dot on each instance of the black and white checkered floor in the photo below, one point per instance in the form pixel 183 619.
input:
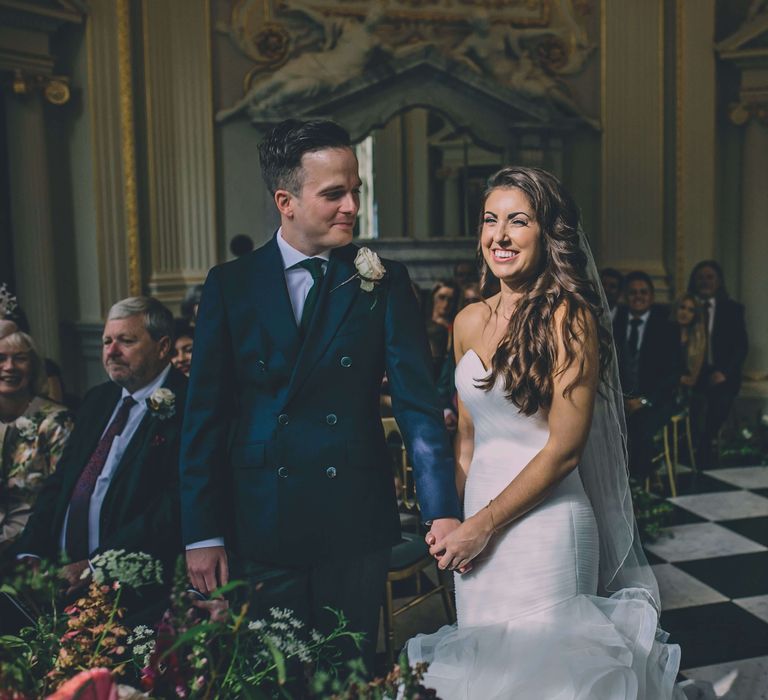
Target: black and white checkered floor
pixel 712 569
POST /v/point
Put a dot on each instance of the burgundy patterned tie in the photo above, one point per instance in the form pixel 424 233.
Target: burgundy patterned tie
pixel 80 501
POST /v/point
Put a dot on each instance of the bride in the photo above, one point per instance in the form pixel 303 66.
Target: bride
pixel 558 600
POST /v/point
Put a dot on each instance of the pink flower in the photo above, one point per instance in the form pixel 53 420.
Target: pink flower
pixel 94 684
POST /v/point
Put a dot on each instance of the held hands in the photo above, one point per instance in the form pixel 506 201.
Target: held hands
pixel 207 568
pixel 456 544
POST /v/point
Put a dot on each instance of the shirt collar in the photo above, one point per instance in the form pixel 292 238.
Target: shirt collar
pixel 141 395
pixel 712 302
pixel 642 317
pixel 291 256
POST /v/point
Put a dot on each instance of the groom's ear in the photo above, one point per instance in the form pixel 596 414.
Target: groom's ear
pixel 284 201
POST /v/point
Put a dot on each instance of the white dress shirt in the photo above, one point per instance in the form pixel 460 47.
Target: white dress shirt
pixel 116 452
pixel 298 281
pixel 640 328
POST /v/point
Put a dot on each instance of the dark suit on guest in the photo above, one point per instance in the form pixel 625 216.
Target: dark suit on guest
pixel 728 350
pixel 140 511
pixel 659 369
pixel 284 453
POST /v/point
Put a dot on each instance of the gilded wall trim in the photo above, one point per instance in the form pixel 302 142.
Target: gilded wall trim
pixel 128 144
pixel 679 146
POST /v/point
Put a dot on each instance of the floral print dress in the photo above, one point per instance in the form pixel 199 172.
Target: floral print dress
pixel 30 448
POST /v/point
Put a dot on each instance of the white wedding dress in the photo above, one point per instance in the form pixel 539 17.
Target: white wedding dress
pixel 530 623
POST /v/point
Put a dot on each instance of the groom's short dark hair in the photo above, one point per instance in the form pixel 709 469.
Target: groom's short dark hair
pixel 281 150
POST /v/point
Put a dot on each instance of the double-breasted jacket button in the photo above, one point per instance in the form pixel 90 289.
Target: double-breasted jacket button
pixel 282 472
pixel 346 361
pixel 283 419
pixel 331 419
pixel 330 472
pixel 261 365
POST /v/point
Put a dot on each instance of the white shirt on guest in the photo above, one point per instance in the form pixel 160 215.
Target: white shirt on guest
pixel 116 452
pixel 640 329
pixel 297 279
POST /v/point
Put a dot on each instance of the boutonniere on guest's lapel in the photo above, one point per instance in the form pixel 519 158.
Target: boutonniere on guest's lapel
pixel 162 403
pixel 370 271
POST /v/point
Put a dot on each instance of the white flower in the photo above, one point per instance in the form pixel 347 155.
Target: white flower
pixel 27 428
pixel 162 403
pixel 764 419
pixel 746 434
pixel 369 268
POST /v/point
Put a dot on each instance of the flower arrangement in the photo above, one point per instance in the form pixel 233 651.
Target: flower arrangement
pixel 201 651
pixel 8 303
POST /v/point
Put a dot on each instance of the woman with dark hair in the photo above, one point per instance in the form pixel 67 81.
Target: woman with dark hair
pixel 444 303
pixel 541 464
pixel 183 343
pixel 720 378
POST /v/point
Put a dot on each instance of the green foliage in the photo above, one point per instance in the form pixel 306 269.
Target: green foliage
pixel 651 512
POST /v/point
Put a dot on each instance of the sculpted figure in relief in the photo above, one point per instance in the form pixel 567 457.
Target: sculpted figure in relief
pixel 347 46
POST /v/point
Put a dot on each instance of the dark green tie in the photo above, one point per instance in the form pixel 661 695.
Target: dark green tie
pixel 315 268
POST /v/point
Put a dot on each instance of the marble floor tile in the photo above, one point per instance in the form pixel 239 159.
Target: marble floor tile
pixel 715 634
pixel 681 590
pixel 736 576
pixel 754 528
pixel 737 680
pixel 730 505
pixel 743 477
pixel 701 541
pixel 757 605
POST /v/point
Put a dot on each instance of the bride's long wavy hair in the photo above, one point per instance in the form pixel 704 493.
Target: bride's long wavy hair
pixel 527 355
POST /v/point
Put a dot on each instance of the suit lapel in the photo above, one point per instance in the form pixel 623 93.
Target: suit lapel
pixel 268 282
pixel 338 292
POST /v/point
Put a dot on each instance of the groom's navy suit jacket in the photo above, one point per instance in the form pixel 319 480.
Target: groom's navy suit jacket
pixel 283 451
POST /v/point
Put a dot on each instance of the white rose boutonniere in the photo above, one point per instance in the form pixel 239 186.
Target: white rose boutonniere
pixel 369 268
pixel 370 271
pixel 162 403
pixel 27 428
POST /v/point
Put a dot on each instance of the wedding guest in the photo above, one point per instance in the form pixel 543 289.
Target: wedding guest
pixel 465 273
pixel 720 378
pixel 54 385
pixel 445 299
pixel 116 484
pixel 190 303
pixel 470 295
pixel 33 432
pixel 184 340
pixel 241 245
pixel 648 352
pixel 613 285
pixel 686 313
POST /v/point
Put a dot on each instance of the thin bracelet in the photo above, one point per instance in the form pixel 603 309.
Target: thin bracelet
pixel 493 522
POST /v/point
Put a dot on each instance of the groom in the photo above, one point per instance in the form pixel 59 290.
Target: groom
pixel 285 473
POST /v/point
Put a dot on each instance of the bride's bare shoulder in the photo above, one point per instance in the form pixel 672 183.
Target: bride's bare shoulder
pixel 472 320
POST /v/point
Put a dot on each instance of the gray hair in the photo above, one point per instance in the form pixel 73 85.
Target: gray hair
pixel 158 320
pixel 20 341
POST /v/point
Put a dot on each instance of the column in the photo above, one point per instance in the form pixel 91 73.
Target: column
pixel 754 245
pixel 31 219
pixel 632 68
pixel 180 154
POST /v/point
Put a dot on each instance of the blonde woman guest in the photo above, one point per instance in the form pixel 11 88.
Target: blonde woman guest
pixel 33 432
pixel 687 314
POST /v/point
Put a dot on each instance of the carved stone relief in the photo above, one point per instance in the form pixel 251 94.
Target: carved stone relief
pixel 301 49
